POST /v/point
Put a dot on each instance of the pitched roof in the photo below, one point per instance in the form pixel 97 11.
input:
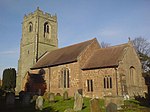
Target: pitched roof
pixel 105 57
pixel 63 55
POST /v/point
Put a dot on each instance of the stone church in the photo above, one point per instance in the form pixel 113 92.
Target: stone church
pixel 83 67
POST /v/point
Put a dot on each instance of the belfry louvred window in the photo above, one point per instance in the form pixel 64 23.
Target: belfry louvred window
pixel 30 27
pixel 46 27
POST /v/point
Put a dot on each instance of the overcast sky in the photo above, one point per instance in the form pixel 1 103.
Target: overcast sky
pixel 111 21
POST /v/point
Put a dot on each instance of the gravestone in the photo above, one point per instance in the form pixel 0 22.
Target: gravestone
pixel 51 97
pixel 39 91
pixel 78 102
pixel 94 105
pixel 34 98
pixel 10 98
pixel 69 110
pixel 126 97
pixel 46 96
pixel 21 94
pixel 80 91
pixel 58 94
pixel 65 95
pixel 26 99
pixel 111 107
pixel 39 103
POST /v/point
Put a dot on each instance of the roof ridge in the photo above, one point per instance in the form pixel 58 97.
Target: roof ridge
pixel 77 43
pixel 105 53
pixel 115 46
pixel 63 55
pixel 119 45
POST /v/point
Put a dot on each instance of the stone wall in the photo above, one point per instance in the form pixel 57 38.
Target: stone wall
pixel 88 52
pixel 98 82
pixel 74 79
pixel 131 60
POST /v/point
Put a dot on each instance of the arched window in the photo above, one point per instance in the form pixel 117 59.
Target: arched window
pixel 46 27
pixel 30 27
pixel 132 75
pixel 64 78
pixel 107 82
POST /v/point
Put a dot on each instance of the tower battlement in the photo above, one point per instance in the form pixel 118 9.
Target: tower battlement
pixel 40 13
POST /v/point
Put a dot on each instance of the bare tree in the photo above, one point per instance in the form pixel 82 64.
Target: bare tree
pixel 105 45
pixel 142 45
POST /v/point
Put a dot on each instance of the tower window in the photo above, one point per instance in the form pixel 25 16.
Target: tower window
pixel 46 27
pixel 30 27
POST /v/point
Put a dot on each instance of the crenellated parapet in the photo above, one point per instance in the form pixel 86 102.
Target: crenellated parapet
pixel 40 13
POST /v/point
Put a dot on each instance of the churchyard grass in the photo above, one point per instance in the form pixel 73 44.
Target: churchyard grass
pixel 60 105
pixel 133 106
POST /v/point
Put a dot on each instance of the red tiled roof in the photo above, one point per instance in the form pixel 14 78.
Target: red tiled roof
pixel 105 57
pixel 63 55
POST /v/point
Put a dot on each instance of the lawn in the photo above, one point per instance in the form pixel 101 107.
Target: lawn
pixel 60 105
pixel 133 106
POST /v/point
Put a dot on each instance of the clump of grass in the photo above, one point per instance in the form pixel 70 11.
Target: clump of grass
pixel 133 106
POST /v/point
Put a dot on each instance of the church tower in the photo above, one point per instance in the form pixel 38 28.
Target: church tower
pixel 39 35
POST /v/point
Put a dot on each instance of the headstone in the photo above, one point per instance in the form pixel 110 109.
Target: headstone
pixel 10 99
pixel 78 102
pixel 94 105
pixel 1 92
pixel 46 96
pixel 58 94
pixel 34 98
pixel 69 110
pixel 39 91
pixel 117 100
pixel 111 107
pixel 80 91
pixel 51 97
pixel 26 99
pixel 39 103
pixel 65 95
pixel 21 94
